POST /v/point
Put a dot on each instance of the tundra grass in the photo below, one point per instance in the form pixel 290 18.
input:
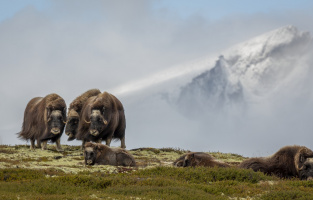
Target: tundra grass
pixel 153 183
pixel 37 174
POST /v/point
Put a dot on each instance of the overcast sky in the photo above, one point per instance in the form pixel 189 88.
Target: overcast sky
pixel 67 47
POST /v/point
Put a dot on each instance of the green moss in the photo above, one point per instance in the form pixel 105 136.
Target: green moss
pixel 7 150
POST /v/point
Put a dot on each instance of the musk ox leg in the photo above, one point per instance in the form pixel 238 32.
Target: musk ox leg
pixel 108 141
pixel 83 145
pixel 32 144
pixel 123 143
pixel 58 144
pixel 44 145
pixel 99 141
pixel 38 144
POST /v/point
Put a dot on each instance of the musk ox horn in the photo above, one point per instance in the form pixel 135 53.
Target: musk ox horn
pixel 86 121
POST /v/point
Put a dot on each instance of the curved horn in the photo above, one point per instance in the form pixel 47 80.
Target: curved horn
pixel 105 121
pixel 48 114
pixel 87 122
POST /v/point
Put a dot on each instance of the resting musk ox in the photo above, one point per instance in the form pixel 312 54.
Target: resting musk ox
pixel 102 118
pixel 73 115
pixel 194 159
pixel 44 120
pixel 288 162
pixel 100 154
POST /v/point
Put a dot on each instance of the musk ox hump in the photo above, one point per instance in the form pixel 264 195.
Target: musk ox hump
pixel 78 103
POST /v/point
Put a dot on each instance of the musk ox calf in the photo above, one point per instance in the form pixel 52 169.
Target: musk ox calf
pixel 194 159
pixel 288 162
pixel 44 120
pixel 102 118
pixel 100 154
pixel 73 115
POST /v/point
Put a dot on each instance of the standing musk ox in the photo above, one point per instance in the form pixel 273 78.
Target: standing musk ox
pixel 100 154
pixel 73 115
pixel 44 120
pixel 195 159
pixel 102 118
pixel 288 162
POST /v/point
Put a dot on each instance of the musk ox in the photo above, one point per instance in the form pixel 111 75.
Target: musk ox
pixel 194 159
pixel 44 120
pixel 100 154
pixel 102 118
pixel 73 115
pixel 288 162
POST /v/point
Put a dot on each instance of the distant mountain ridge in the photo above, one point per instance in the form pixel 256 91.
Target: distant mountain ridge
pixel 246 72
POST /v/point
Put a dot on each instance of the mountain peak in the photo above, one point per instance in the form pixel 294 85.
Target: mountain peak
pixel 246 71
pixel 268 42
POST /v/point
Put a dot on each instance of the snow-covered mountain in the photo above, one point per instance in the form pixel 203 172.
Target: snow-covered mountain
pixel 251 99
pixel 248 73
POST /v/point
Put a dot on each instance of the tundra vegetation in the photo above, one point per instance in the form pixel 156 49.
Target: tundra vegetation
pixel 38 174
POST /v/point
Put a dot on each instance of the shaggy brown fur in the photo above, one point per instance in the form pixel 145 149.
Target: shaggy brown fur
pixel 78 103
pixel 288 162
pixel 74 111
pixel 99 154
pixel 102 118
pixel 198 159
pixel 44 120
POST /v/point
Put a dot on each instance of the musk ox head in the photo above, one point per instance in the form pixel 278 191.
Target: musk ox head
pixel 90 153
pixel 72 124
pixel 190 160
pixel 306 171
pixel 98 120
pixel 56 120
pixel 304 163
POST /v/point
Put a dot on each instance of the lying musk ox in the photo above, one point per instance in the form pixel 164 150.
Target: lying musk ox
pixel 100 154
pixel 288 162
pixel 194 159
pixel 73 115
pixel 44 120
pixel 102 118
